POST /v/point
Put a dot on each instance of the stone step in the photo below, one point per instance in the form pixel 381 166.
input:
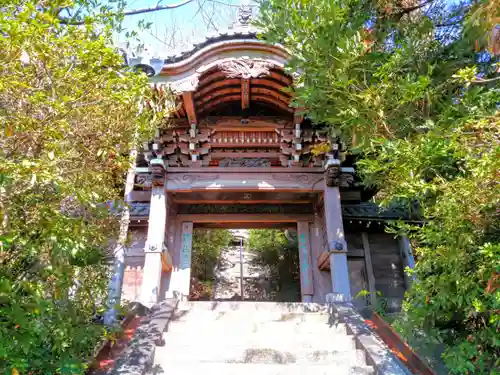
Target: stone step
pixel 233 309
pixel 253 369
pixel 247 324
pixel 290 343
pixel 284 307
pixel 240 319
pixel 259 355
pixel 267 328
pixel 251 308
pixel 235 321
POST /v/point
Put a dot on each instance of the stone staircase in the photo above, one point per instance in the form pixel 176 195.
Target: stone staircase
pixel 227 338
pixel 268 338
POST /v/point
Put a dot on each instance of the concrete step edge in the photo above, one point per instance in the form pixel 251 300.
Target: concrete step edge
pixel 265 369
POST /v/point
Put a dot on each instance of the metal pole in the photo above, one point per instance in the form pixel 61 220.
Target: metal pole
pixel 241 270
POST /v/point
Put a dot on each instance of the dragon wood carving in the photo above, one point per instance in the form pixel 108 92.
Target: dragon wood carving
pixel 245 162
pixel 245 68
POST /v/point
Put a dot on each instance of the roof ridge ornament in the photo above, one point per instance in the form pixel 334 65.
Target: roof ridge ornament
pixel 244 15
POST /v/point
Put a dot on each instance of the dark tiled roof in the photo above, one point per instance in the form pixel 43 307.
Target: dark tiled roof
pixel 373 211
pixel 239 33
pixel 139 209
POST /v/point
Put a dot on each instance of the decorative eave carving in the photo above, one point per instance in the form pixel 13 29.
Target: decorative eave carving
pixel 143 181
pixel 245 68
pixel 336 176
pixel 333 171
pixel 245 162
pixel 347 180
pixel 188 84
pixel 157 167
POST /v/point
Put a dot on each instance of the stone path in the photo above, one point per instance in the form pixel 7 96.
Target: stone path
pixel 227 283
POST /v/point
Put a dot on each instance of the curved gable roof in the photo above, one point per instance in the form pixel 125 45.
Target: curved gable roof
pixel 240 34
pixel 240 41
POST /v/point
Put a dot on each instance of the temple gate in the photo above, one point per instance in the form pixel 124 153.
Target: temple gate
pixel 236 155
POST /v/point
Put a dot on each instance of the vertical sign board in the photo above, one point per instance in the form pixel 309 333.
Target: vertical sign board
pixel 185 258
pixel 306 278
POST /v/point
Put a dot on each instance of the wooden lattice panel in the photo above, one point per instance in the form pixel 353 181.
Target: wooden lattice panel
pixel 245 139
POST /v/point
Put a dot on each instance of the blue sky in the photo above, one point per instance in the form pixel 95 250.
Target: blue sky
pixel 181 26
pixel 177 28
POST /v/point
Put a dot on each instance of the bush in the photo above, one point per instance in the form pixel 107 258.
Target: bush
pixel 277 251
pixel 70 115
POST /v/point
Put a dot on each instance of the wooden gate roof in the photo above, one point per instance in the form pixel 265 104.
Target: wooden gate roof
pixel 232 66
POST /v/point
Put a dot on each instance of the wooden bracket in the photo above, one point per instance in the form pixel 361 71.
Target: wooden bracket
pixel 187 97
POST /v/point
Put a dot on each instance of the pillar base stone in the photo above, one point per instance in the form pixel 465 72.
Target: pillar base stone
pixel 307 298
pixel 335 297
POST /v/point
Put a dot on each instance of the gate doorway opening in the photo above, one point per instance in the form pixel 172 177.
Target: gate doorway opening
pixel 259 264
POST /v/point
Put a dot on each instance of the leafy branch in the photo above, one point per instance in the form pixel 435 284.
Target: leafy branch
pixel 156 8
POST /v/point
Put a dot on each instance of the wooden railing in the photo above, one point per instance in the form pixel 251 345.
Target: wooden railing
pixel 398 346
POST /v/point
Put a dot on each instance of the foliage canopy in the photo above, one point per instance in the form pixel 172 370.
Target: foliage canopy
pixel 413 88
pixel 277 250
pixel 207 246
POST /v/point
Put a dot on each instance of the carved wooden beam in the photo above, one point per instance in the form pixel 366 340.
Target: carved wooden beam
pixel 214 86
pixel 182 112
pixel 256 98
pixel 276 95
pixel 218 75
pixel 245 67
pixel 245 93
pixel 217 94
pixel 236 154
pixel 233 123
pixel 187 97
pixel 269 83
